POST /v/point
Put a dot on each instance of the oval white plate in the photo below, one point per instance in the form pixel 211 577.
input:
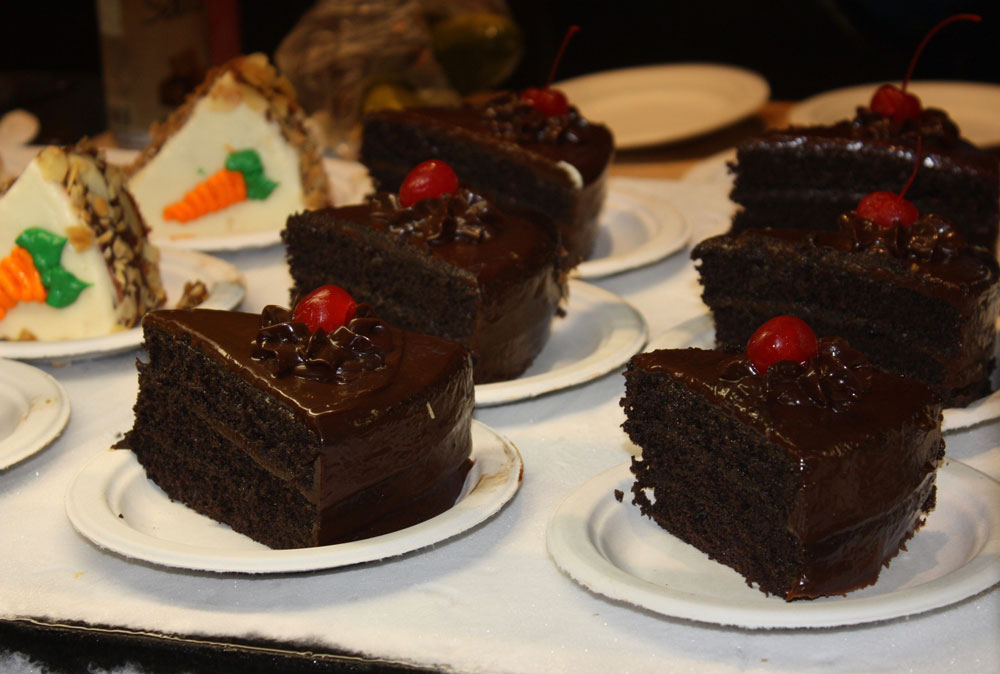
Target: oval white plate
pixel 226 288
pixel 112 503
pixel 599 332
pixel 613 550
pixel 632 235
pixel 34 409
pixel 972 105
pixel 699 332
pixel 665 103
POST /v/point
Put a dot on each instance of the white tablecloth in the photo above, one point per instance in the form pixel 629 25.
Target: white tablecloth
pixel 489 600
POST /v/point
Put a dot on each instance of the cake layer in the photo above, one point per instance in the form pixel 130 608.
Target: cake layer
pixel 803 500
pixel 293 461
pixel 932 319
pixel 805 177
pixel 524 159
pixel 494 288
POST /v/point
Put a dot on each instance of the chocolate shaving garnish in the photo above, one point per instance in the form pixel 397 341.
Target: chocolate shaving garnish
pixel 835 378
pixel 930 238
pixel 465 216
pixel 516 120
pixel 349 355
pixel 931 123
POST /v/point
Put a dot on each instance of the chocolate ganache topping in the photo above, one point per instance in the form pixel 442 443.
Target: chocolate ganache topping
pixel 362 355
pixel 465 216
pixel 835 378
pixel 931 123
pixel 930 238
pixel 516 120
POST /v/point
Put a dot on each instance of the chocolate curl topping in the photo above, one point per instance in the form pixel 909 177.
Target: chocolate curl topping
pixel 465 216
pixel 363 346
pixel 516 120
pixel 930 238
pixel 932 123
pixel 834 378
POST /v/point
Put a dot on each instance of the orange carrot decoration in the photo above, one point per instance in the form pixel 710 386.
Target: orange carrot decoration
pixel 223 188
pixel 19 280
pixel 241 179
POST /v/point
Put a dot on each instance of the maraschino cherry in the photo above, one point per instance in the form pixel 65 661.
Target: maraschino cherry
pixel 887 209
pixel 428 179
pixel 894 102
pixel 547 100
pixel 327 307
pixel 781 338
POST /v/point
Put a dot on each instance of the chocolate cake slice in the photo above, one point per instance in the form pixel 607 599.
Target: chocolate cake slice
pixel 453 266
pixel 806 480
pixel 916 300
pixel 805 177
pixel 554 164
pixel 300 439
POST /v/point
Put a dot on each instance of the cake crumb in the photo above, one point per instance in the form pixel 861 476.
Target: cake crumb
pixel 619 495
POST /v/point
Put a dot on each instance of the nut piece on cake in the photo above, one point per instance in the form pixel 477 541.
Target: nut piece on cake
pixel 235 158
pixel 806 478
pixel 76 262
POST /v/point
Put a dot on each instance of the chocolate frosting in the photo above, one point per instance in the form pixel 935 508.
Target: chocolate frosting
pixel 362 356
pixel 516 120
pixel 931 123
pixel 467 232
pixel 940 137
pixel 465 216
pixel 336 408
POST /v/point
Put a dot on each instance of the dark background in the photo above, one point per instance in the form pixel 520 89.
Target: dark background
pixel 51 60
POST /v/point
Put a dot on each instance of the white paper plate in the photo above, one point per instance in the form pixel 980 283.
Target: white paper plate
pixel 599 332
pixel 699 332
pixel 34 409
pixel 633 235
pixel 665 103
pixel 226 287
pixel 611 549
pixel 972 105
pixel 714 170
pixel 112 503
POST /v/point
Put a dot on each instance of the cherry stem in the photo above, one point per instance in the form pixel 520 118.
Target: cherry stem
pixel 913 174
pixel 562 48
pixel 927 38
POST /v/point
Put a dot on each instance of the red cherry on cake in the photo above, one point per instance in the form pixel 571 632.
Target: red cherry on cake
pixel 427 180
pixel 327 307
pixel 781 338
pixel 886 209
pixel 548 101
pixel 894 102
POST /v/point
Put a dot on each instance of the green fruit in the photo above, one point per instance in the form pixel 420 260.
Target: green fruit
pixel 477 51
pixel 388 97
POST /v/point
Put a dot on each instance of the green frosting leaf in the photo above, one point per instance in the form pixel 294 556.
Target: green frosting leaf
pixel 46 250
pixel 248 163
